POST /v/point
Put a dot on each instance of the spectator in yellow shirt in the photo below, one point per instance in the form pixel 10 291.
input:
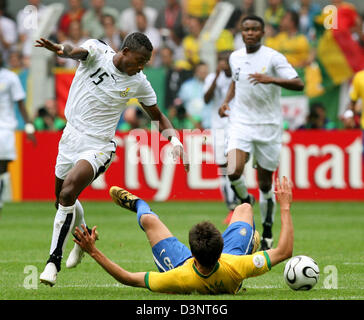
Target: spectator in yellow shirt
pixel 293 45
pixel 274 13
pixel 191 43
pixel 356 94
pixel 214 264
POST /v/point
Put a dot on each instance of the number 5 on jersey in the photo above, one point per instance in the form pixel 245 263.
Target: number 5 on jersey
pixel 101 76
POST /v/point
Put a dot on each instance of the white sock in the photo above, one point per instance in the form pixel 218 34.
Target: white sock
pixel 80 217
pixel 239 187
pixel 63 224
pixel 227 192
pixel 267 218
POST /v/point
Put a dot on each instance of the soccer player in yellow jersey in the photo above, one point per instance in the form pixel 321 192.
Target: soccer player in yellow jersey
pixel 215 264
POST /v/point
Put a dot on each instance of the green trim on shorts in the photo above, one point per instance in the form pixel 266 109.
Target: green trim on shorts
pixel 268 259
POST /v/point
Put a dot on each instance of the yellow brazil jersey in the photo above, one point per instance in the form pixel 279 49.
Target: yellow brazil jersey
pixel 357 91
pixel 296 49
pixel 226 277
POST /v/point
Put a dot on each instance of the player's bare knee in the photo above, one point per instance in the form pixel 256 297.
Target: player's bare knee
pixel 245 208
pixel 148 221
pixel 67 196
pixel 244 212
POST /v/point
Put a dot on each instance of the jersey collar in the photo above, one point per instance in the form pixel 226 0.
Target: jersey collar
pixel 205 276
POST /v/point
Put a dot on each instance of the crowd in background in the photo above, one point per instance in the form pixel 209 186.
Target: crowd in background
pixel 174 32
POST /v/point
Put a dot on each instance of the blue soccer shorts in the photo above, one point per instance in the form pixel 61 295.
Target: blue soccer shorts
pixel 170 253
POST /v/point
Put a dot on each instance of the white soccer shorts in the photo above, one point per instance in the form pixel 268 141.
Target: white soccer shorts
pixel 7 144
pixel 263 142
pixel 75 146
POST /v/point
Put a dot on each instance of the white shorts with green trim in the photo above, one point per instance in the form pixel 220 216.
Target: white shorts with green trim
pixel 75 146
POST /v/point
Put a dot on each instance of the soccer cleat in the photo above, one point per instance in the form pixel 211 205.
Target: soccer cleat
pixel 266 243
pixel 256 241
pixel 123 198
pixel 77 253
pixel 49 275
pixel 75 256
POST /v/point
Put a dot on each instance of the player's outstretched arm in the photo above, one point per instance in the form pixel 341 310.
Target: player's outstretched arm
pixel 87 243
pixel 167 130
pixel 284 248
pixel 64 51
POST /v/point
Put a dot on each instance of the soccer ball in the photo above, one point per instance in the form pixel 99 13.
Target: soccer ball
pixel 301 273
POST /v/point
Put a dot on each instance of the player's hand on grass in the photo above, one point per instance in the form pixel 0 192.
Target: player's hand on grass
pixel 224 110
pixel 284 192
pixel 56 48
pixel 84 239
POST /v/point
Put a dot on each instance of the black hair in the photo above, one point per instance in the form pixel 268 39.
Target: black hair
pixel 134 41
pixel 206 243
pixel 255 18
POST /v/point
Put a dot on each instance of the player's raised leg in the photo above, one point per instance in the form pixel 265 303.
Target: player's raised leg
pixel 267 205
pixel 240 237
pixel 67 191
pixel 168 252
pixel 148 221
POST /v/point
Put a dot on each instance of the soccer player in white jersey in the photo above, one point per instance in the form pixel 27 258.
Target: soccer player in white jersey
pixel 215 89
pixel 104 82
pixel 255 117
pixel 11 92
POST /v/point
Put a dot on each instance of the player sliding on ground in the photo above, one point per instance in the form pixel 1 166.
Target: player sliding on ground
pixel 215 263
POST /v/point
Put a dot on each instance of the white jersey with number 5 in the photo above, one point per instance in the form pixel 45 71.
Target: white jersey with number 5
pixel 260 103
pixel 99 92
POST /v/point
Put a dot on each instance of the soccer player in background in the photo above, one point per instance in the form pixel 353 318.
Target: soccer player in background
pixel 104 82
pixel 255 117
pixel 11 92
pixel 215 89
pixel 214 264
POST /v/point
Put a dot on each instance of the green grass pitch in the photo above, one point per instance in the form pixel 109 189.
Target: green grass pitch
pixel 331 233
